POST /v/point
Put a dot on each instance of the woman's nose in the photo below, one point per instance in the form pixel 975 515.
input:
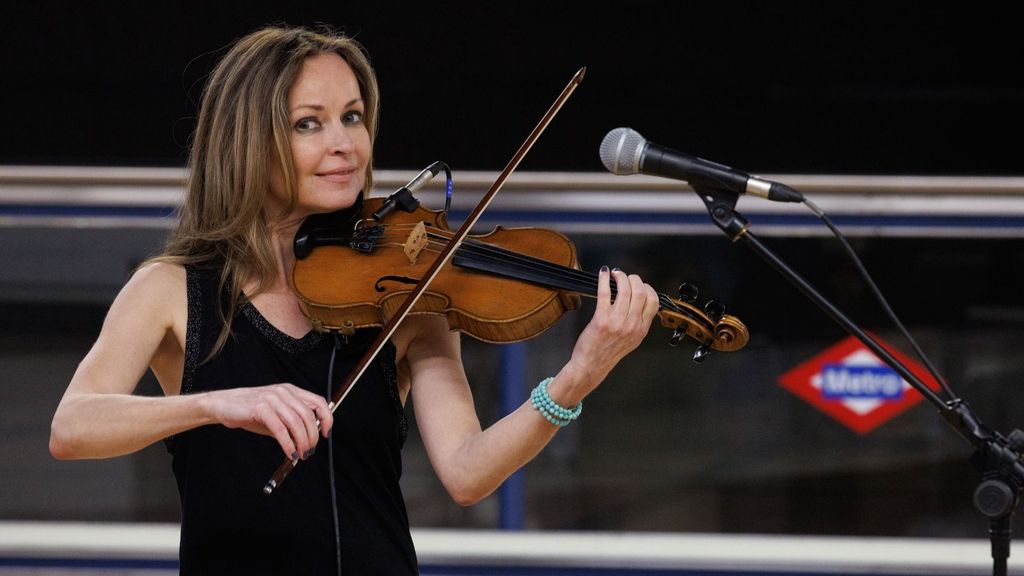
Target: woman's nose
pixel 339 141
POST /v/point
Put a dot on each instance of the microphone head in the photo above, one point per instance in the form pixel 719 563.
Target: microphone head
pixel 621 151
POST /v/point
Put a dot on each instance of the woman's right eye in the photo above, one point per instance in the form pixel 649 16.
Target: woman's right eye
pixel 307 125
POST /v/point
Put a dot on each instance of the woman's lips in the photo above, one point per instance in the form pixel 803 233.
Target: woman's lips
pixel 338 176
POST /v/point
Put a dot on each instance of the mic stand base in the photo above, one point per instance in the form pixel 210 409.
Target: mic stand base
pixel 999 534
pixel 998 494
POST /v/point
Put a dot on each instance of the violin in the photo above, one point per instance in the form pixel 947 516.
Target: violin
pixel 508 285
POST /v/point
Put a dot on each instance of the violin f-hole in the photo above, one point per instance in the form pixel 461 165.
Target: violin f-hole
pixel 391 278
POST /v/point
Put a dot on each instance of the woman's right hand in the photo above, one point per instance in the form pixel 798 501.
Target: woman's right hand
pixel 292 416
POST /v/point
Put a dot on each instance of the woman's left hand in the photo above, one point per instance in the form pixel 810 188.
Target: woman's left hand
pixel 616 329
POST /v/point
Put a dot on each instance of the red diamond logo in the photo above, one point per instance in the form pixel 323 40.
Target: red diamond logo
pixel 849 383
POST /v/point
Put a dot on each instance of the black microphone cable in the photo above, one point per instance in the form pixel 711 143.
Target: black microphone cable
pixel 330 460
pixel 879 296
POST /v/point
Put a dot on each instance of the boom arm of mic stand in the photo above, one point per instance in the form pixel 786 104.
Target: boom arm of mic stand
pixel 998 458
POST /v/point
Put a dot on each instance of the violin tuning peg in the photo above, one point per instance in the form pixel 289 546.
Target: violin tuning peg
pixel 702 352
pixel 1016 440
pixel 687 292
pixel 714 310
pixel 676 338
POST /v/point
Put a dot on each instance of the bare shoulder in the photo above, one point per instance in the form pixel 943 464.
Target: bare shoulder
pixel 145 324
pixel 156 295
pixel 158 278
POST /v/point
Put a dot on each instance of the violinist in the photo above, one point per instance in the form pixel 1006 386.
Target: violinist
pixel 285 129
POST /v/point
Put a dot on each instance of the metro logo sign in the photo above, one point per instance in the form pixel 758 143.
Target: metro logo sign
pixel 849 383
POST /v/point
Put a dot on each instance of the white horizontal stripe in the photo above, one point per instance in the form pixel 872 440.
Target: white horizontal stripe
pixel 574 195
pixel 608 550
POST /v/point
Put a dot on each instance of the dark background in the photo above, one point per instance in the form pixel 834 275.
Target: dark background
pixel 907 87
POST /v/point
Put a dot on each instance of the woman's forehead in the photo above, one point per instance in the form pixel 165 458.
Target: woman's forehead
pixel 324 79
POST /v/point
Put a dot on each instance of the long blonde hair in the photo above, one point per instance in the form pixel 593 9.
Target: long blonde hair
pixel 243 128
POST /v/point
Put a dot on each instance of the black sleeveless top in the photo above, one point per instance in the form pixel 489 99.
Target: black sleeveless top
pixel 228 525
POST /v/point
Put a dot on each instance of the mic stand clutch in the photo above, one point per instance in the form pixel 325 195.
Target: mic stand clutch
pixel 998 458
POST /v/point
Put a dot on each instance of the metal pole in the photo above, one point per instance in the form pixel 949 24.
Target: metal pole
pixel 512 494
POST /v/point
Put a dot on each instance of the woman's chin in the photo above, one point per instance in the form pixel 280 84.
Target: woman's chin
pixel 333 201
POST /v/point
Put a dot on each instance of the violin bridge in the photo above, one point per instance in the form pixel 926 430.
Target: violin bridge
pixel 416 242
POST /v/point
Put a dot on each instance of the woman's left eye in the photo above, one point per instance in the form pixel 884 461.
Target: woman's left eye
pixel 352 117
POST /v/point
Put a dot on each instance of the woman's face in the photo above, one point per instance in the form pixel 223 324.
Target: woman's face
pixel 330 143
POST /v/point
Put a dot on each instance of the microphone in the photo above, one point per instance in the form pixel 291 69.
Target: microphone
pixel 625 151
pixel 403 197
pixel 423 177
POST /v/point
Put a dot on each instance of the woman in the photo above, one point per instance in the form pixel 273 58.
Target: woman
pixel 286 129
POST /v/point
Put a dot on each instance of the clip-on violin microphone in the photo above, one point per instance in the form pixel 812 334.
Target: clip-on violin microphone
pixel 403 197
pixel 336 228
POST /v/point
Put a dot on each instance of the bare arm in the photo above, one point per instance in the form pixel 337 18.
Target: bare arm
pixel 99 417
pixel 472 463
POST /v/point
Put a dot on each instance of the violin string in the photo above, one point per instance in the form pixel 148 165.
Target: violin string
pixel 579 280
pixel 586 279
pixel 586 282
pixel 583 282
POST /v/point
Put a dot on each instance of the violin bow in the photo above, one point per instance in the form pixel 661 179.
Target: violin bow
pixel 392 325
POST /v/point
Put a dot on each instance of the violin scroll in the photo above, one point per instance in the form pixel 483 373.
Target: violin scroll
pixel 712 327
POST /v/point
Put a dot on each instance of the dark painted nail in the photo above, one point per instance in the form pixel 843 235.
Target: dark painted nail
pixel 604 268
pixel 295 455
pixel 307 454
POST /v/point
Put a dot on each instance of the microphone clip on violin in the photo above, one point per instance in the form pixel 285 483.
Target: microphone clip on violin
pixel 403 197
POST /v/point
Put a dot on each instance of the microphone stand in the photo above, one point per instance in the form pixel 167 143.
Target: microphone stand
pixel 997 457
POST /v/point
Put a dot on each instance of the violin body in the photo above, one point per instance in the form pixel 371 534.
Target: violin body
pixel 343 289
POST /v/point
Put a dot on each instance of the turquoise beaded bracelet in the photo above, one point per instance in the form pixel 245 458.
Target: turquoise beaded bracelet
pixel 552 412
